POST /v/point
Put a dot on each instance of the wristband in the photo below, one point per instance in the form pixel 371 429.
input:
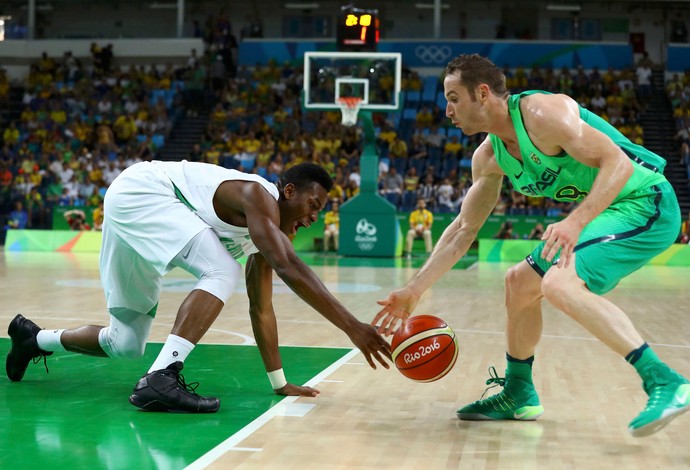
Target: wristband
pixel 277 378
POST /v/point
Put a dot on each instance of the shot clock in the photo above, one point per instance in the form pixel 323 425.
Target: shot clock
pixel 358 29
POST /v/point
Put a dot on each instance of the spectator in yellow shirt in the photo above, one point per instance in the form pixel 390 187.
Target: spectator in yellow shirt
pixel 388 135
pixel 424 118
pixel 11 134
pixel 98 217
pixel 125 128
pixel 452 148
pixel 331 227
pixel 420 227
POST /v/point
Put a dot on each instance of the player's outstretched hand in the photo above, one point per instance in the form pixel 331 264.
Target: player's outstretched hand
pixel 297 391
pixel 397 308
pixel 372 345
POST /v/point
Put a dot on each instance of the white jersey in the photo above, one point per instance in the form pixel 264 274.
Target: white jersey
pixel 152 211
pixel 195 184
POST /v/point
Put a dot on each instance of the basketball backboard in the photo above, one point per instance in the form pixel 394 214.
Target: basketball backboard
pixel 372 77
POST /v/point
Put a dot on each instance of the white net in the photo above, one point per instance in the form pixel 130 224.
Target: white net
pixel 349 108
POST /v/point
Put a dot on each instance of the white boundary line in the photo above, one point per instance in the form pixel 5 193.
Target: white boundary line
pixel 230 443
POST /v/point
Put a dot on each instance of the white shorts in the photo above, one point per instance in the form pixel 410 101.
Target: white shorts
pixel 145 226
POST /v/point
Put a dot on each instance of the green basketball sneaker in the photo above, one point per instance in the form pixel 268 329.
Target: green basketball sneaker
pixel 518 400
pixel 669 397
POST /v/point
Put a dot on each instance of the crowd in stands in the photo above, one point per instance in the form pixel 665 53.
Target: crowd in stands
pixel 257 126
pixel 80 128
pixel 678 91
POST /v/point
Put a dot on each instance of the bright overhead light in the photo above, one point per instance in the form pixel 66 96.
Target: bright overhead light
pixel 302 6
pixel 431 6
pixel 557 7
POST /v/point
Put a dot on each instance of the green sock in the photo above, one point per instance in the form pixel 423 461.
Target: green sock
pixel 648 357
pixel 519 368
pixel 642 365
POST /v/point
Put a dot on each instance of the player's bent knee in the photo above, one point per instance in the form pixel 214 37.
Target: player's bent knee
pixel 125 337
pixel 555 288
pixel 518 281
pixel 522 286
pixel 129 351
pixel 119 344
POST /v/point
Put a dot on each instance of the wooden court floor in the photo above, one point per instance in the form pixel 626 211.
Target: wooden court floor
pixel 378 419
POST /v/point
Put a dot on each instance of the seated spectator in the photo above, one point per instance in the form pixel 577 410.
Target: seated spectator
pixel 418 154
pixel 18 218
pixel 398 155
pixel 424 118
pixel 427 192
pixel 536 232
pixel 98 217
pixel 410 186
pixel 11 134
pixel 331 229
pixel 444 196
pixel 337 192
pixel 420 227
pixel 434 142
pixel 506 231
pixel 392 183
pixel 386 137
pixel 452 153
pixel 349 150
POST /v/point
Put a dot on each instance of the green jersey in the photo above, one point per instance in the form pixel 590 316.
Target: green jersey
pixel 561 177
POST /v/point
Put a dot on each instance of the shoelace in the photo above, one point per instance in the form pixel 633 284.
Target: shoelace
pixel 37 359
pixel 493 381
pixel 191 387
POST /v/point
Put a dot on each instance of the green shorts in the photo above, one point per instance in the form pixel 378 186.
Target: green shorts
pixel 623 238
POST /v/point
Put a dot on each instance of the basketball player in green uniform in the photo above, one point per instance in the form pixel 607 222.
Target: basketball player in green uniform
pixel 627 213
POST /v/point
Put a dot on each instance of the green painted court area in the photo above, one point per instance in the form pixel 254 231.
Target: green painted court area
pixel 77 416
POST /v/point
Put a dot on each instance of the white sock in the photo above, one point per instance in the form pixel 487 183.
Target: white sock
pixel 175 349
pixel 49 340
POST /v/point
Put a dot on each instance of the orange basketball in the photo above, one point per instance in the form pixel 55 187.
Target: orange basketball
pixel 426 349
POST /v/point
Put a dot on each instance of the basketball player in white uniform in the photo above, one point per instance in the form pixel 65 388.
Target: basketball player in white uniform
pixel 201 218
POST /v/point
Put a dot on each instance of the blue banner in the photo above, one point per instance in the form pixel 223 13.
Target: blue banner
pixel 678 57
pixel 437 53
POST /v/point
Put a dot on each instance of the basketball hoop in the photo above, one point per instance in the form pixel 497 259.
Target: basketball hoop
pixel 349 108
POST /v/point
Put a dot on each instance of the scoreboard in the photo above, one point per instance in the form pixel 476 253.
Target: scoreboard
pixel 358 30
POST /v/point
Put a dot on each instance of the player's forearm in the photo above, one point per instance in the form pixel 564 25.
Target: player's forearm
pixel 309 288
pixel 453 245
pixel 265 331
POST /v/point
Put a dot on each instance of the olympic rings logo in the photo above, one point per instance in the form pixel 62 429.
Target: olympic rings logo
pixel 433 54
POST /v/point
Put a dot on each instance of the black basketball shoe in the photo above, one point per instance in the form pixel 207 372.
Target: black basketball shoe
pixel 166 390
pixel 24 347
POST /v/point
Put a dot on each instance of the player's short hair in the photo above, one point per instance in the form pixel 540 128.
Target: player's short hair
pixel 305 174
pixel 475 70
